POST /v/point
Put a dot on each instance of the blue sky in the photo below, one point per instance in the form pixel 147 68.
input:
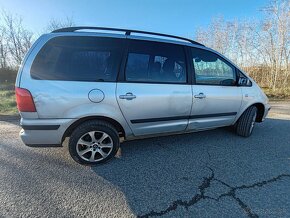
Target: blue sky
pixel 179 17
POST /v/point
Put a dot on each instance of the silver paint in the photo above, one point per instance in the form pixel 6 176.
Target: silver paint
pixel 64 102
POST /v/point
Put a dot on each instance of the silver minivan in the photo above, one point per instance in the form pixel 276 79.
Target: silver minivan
pixel 99 86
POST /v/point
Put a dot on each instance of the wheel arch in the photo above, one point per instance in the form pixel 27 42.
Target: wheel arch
pixel 78 122
pixel 260 113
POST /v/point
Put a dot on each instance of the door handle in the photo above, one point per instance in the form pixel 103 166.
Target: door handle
pixel 128 96
pixel 200 96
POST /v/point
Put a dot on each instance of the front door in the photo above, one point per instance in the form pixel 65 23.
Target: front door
pixel 216 96
pixel 155 96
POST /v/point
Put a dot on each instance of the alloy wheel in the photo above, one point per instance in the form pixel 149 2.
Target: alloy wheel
pixel 94 146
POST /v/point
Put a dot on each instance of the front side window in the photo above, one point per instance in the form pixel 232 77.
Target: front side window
pixel 155 62
pixel 78 59
pixel 211 69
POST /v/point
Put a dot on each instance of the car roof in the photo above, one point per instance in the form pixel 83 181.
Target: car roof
pixel 141 35
pixel 138 35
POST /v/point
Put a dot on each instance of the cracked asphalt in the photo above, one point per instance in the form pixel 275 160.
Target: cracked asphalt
pixel 207 174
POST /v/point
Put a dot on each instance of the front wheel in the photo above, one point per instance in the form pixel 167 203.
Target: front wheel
pixel 94 142
pixel 246 123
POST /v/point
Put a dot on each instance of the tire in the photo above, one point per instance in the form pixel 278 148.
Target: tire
pixel 245 124
pixel 94 142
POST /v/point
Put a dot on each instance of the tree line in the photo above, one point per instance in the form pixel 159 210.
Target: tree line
pixel 260 47
pixel 16 39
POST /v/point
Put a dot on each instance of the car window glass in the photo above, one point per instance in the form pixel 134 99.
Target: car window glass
pixel 78 59
pixel 211 69
pixel 137 66
pixel 87 62
pixel 155 62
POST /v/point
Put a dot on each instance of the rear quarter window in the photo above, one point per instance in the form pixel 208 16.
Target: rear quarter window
pixel 78 58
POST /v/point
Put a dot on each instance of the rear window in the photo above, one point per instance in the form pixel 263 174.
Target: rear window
pixel 78 58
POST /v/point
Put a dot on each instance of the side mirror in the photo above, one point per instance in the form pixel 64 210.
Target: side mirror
pixel 244 81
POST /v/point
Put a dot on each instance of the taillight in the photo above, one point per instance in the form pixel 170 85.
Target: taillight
pixel 24 100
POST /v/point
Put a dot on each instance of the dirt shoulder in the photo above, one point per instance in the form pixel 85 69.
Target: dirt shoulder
pixel 280 107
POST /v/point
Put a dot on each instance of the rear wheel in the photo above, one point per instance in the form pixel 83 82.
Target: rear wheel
pixel 94 142
pixel 246 123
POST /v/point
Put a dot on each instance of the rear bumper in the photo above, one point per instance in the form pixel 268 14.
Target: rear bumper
pixel 43 132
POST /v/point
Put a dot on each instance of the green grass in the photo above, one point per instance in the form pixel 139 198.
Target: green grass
pixel 7 99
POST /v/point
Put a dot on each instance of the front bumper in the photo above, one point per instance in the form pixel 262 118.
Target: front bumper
pixel 43 132
pixel 267 109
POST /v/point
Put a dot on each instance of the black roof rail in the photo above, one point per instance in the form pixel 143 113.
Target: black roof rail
pixel 127 32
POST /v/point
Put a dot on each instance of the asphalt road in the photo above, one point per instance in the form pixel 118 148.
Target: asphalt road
pixel 207 174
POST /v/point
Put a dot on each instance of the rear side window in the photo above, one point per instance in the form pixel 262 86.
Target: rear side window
pixel 154 62
pixel 78 58
pixel 211 69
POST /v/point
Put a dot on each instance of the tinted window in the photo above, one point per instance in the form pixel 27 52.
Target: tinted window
pixel 78 59
pixel 155 62
pixel 211 69
pixel 243 79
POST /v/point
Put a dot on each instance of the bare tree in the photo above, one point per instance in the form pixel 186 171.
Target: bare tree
pixel 217 35
pixel 262 48
pixel 274 41
pixel 15 39
pixel 54 24
pixel 18 39
pixel 3 48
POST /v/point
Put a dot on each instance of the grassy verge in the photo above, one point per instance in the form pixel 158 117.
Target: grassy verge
pixel 278 94
pixel 7 99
